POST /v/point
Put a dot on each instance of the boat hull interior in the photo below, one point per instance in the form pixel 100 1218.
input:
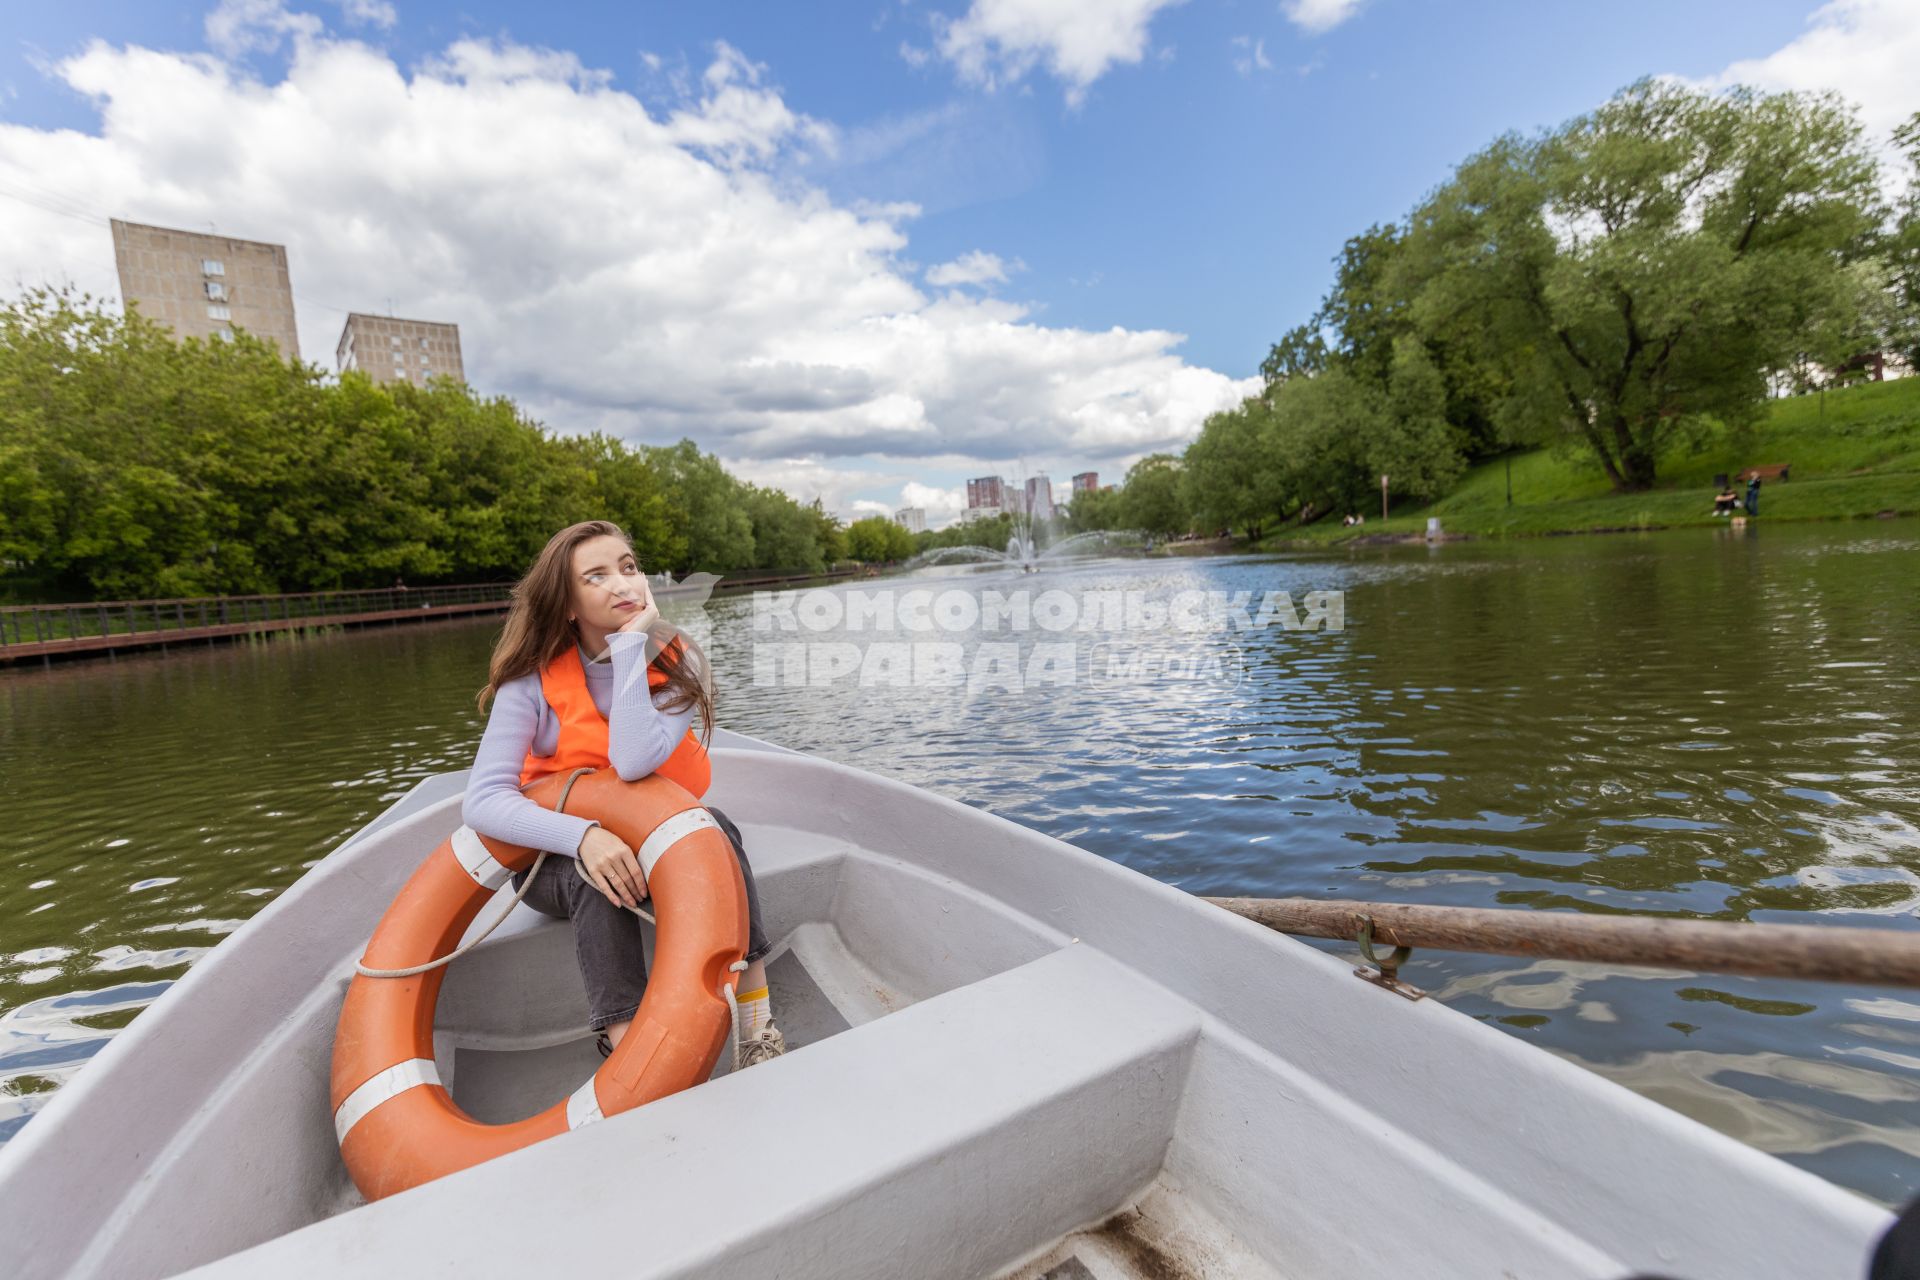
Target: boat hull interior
pixel 1008 1057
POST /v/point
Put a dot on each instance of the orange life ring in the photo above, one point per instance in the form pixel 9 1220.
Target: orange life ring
pixel 397 1125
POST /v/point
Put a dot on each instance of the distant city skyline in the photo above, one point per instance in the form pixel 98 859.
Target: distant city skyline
pixel 991 495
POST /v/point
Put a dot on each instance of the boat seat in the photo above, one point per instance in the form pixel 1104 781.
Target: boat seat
pixel 955 1137
pixel 497 1086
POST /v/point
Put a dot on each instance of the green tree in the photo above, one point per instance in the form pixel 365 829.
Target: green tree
pixel 497 486
pixel 1369 307
pixel 1641 269
pixel 1230 474
pixel 1301 352
pixel 1903 253
pixel 1317 427
pixel 710 505
pixel 1151 500
pixel 623 488
pixel 878 540
pixel 828 533
pixel 132 464
pixel 1370 310
pixel 1092 509
pixel 786 535
pixel 129 483
pixel 992 531
pixel 1334 435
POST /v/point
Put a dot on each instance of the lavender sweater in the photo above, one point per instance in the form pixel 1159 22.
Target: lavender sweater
pixel 640 738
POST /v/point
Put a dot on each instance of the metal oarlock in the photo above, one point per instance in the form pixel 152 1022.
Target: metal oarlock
pixel 1384 973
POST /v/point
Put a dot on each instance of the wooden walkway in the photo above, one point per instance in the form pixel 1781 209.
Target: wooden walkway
pixel 107 627
pixel 77 645
pixel 49 631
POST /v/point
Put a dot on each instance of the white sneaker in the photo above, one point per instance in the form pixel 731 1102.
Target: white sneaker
pixel 768 1043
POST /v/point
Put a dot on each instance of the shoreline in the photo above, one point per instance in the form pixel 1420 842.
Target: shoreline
pixel 1406 530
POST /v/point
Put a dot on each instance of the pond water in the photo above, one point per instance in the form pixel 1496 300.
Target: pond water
pixel 1717 724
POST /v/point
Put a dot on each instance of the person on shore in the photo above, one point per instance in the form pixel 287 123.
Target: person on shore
pixel 1726 502
pixel 1753 496
pixel 586 672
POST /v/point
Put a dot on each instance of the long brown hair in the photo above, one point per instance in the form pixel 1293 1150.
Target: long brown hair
pixel 538 630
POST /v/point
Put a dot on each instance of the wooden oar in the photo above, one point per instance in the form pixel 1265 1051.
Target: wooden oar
pixel 1815 953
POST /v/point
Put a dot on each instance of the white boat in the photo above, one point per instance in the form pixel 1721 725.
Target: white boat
pixel 1011 1058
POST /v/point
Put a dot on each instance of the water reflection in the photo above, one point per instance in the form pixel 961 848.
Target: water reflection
pixel 1671 725
pixel 157 802
pixel 1686 724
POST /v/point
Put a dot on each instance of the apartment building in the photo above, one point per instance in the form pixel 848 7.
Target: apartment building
pixel 388 349
pixel 205 285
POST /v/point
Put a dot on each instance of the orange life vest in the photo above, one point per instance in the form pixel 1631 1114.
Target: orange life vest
pixel 584 731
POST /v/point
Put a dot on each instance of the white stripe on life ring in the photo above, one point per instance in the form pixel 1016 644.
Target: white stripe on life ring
pixel 391 1083
pixel 486 870
pixel 672 832
pixel 583 1106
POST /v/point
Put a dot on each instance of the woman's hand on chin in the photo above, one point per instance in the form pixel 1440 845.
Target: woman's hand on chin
pixel 641 619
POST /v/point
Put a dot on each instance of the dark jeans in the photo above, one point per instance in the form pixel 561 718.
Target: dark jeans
pixel 606 938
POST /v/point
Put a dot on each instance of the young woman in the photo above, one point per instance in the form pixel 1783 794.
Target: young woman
pixel 575 681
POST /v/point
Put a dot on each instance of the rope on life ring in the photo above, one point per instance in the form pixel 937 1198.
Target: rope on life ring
pixel 411 971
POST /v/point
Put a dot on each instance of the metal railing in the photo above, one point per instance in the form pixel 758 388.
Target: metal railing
pixel 784 579
pixel 39 624
pixel 90 624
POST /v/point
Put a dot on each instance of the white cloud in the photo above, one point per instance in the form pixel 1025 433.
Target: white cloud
pixel 377 13
pixel 653 274
pixel 844 491
pixel 977 267
pixel 737 117
pixel 941 504
pixel 999 41
pixel 237 27
pixel 1316 16
pixel 1252 56
pixel 809 478
pixel 486 63
pixel 1867 50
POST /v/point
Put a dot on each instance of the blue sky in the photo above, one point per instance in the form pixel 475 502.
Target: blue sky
pixel 1195 182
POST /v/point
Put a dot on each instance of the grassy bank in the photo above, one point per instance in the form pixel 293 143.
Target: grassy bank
pixel 1855 454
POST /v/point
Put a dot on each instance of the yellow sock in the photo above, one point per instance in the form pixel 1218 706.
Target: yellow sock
pixel 756 1011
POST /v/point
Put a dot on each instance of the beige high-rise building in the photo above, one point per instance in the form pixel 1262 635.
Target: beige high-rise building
pixel 1039 498
pixel 204 286
pixel 391 350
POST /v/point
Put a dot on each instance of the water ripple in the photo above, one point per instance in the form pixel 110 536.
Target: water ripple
pixel 1688 724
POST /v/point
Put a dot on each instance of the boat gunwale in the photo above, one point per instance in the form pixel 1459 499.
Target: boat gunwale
pixel 1127 936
